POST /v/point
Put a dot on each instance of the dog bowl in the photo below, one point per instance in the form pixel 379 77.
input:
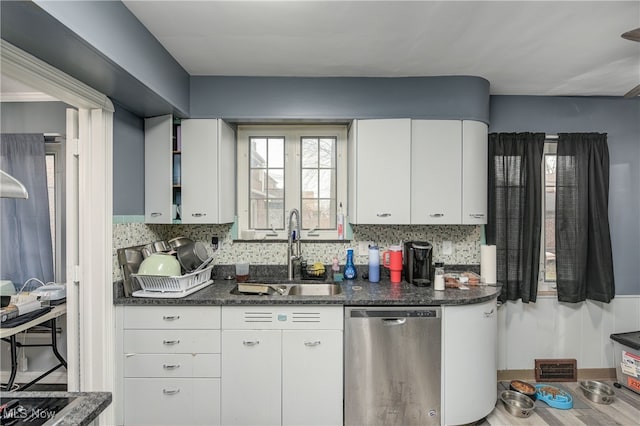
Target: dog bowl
pixel 597 391
pixel 524 388
pixel 517 404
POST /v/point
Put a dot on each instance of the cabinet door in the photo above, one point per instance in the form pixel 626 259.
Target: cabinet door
pixel 200 171
pixel 436 178
pixel 470 345
pixel 226 173
pixel 251 377
pixel 383 171
pixel 158 166
pixel 311 377
pixel 158 401
pixel 474 172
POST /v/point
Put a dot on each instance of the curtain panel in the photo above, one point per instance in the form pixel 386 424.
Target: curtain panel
pixel 584 260
pixel 515 211
pixel 25 234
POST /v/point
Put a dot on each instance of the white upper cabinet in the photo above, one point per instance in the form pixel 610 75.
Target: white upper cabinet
pixel 195 171
pixel 448 172
pixel 208 171
pixel 380 175
pixel 475 137
pixel 158 169
pixel 436 178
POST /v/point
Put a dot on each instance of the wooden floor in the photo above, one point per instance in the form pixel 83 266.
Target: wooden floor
pixel 625 410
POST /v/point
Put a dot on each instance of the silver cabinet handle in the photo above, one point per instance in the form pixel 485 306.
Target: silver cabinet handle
pixel 156 214
pixel 170 366
pixel 488 314
pixel 250 342
pixel 436 214
pixel 312 343
pixel 383 214
pixel 171 342
pixel 476 215
pixel 171 317
pixel 394 321
pixel 170 391
pixel 198 214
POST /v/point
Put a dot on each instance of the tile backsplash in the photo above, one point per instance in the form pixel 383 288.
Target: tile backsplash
pixel 465 239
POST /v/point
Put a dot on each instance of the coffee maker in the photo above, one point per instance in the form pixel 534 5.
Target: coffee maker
pixel 417 265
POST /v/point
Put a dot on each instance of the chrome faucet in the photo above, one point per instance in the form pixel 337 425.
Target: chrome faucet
pixel 293 248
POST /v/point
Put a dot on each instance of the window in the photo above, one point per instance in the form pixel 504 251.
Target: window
pixel 547 276
pixel 54 160
pixel 281 167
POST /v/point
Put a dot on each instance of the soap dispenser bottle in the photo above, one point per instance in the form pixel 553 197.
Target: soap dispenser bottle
pixel 349 267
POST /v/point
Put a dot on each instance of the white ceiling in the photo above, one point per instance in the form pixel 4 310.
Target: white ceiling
pixel 557 48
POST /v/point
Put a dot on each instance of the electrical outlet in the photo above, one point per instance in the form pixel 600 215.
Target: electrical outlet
pixel 363 247
pixel 214 242
pixel 447 248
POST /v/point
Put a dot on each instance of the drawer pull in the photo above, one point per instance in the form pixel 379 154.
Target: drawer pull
pixel 488 314
pixel 198 214
pixel 171 317
pixel 170 366
pixel 313 343
pixel 171 342
pixel 170 391
pixel 477 215
pixel 436 214
pixel 383 214
pixel 250 342
pixel 156 214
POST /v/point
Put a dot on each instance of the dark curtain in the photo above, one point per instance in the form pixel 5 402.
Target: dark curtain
pixel 515 211
pixel 25 233
pixel 583 243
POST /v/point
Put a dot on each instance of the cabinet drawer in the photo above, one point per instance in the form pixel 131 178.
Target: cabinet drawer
pixel 172 317
pixel 171 341
pixel 271 317
pixel 172 365
pixel 172 401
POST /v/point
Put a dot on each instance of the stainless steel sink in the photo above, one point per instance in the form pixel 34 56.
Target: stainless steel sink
pixel 288 289
pixel 314 290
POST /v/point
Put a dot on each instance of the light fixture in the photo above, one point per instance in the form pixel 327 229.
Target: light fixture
pixel 11 187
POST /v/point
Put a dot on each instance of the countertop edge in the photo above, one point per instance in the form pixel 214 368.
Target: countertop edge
pixel 81 414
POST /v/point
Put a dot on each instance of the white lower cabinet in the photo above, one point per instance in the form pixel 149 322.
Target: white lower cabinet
pixel 469 361
pixel 282 365
pixel 171 365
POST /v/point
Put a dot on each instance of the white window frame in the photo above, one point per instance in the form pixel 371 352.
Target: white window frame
pixel 56 149
pixel 292 177
pixel 545 287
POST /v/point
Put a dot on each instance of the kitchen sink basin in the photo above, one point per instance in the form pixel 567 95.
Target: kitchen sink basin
pixel 288 289
pixel 314 290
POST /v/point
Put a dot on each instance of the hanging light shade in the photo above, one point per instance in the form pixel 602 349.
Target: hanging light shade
pixel 11 187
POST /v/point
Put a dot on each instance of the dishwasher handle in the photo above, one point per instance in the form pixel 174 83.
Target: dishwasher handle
pixel 396 314
pixel 393 321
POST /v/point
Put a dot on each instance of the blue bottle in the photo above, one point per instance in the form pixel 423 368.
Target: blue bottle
pixel 374 264
pixel 349 267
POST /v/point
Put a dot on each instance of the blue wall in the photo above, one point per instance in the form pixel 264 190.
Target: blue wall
pixel 620 119
pixel 128 163
pixel 102 44
pixel 339 98
pixel 33 117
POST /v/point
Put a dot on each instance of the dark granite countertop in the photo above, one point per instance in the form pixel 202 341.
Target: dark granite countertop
pixel 354 293
pixel 83 410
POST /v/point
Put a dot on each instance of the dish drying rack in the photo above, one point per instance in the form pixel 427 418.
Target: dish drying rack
pixel 172 287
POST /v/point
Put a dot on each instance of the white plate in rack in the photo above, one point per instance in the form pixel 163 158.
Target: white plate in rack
pixel 171 294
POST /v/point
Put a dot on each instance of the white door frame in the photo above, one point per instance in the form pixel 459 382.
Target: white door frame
pixel 90 324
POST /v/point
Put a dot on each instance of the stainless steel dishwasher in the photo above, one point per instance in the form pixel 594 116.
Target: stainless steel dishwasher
pixel 392 366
